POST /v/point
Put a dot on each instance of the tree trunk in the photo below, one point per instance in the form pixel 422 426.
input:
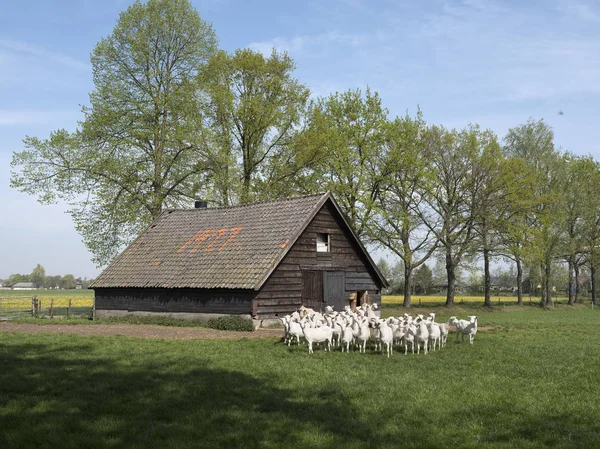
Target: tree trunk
pixel 571 269
pixel 519 283
pixel 548 290
pixel 451 279
pixel 593 275
pixel 486 278
pixel 408 283
pixel 245 197
pixel 577 282
pixel 543 285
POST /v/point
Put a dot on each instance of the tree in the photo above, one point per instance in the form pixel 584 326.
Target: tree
pixel 423 279
pixel 449 194
pixel 590 228
pixel 578 171
pixel 142 144
pixel 52 282
pixel 68 282
pixel 38 276
pixel 397 224
pixel 348 128
pixel 490 201
pixel 533 144
pixel 513 228
pixel 255 107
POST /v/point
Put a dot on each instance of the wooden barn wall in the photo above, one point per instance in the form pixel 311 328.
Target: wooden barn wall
pixel 174 300
pixel 282 293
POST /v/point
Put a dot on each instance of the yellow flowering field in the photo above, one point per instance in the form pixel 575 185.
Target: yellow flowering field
pixel 11 300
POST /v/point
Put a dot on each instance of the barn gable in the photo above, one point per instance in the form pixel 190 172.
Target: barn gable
pixel 303 274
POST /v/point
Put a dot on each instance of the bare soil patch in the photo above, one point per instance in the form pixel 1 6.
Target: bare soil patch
pixel 137 331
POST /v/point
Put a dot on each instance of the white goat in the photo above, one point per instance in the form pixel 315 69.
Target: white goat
pixel 321 334
pixel 364 333
pixel 347 337
pixel 443 330
pixel 435 333
pixel 386 335
pixel 465 327
pixel 422 337
pixel 295 330
pixel 410 336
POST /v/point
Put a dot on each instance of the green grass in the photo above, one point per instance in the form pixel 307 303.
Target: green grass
pixel 532 382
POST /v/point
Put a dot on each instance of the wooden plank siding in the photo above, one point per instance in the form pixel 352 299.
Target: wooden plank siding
pixel 282 293
pixel 174 300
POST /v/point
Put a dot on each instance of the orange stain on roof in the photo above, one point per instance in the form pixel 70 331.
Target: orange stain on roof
pixel 212 236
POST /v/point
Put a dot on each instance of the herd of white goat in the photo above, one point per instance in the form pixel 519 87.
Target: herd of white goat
pixel 353 329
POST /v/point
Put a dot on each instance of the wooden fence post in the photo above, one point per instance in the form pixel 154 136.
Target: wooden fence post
pixel 69 308
pixel 34 305
pixel 52 308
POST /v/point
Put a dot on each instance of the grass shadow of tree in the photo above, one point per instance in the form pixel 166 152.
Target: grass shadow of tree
pixel 53 400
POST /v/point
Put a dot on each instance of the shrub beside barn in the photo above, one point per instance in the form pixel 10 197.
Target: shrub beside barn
pixel 259 260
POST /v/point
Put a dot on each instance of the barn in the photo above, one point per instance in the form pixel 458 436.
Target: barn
pixel 259 260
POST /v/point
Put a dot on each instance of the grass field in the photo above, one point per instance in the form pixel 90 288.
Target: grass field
pixel 531 382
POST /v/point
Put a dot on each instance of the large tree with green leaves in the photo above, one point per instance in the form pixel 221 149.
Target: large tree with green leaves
pixel 590 226
pixel 38 276
pixel 489 185
pixel 513 222
pixel 143 143
pixel 348 130
pixel 451 157
pixel 256 109
pixel 399 206
pixel 577 171
pixel 533 144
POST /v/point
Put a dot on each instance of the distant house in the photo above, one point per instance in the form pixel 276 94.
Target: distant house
pixel 261 260
pixel 24 286
pixel 4 286
pixel 78 285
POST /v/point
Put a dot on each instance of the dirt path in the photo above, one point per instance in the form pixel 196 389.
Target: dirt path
pixel 137 330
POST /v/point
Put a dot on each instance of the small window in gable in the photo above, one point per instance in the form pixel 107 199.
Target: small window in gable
pixel 323 243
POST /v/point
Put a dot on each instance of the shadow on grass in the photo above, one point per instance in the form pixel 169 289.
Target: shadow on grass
pixel 50 399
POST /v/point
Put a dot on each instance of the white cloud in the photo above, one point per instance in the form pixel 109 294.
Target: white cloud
pixel 33 50
pixel 35 117
pixel 311 45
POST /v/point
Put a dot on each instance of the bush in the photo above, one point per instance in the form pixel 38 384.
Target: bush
pixel 231 323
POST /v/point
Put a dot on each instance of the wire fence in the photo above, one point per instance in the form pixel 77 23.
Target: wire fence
pixel 15 307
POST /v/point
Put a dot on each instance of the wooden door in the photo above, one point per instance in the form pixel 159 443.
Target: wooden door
pixel 334 289
pixel 312 289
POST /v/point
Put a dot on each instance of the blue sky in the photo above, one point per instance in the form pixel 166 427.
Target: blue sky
pixel 495 63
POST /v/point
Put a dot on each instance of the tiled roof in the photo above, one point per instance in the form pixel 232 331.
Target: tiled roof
pixel 229 247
